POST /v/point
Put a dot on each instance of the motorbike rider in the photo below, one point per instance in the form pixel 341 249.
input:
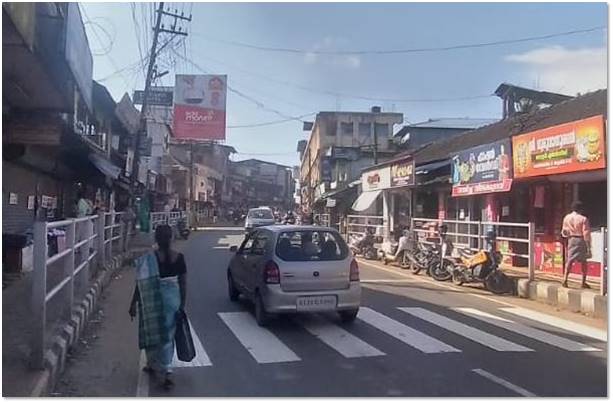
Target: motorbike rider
pixel 289 217
pixel 404 243
pixel 367 239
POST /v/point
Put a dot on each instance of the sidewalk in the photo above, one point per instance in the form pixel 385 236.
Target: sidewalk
pixel 18 379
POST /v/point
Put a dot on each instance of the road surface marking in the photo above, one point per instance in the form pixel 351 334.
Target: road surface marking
pixel 200 360
pixel 142 386
pixel 338 338
pixel 404 333
pixel 375 281
pixel 537 334
pixel 263 346
pixel 517 389
pixel 476 335
pixel 571 326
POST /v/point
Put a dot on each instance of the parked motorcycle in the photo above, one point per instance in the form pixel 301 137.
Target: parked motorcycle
pixel 182 228
pixel 441 268
pixel 481 267
pixel 364 246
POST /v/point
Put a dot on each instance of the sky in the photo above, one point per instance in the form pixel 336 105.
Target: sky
pixel 270 86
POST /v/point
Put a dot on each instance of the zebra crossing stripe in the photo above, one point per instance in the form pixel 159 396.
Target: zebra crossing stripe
pixel 537 334
pixel 574 327
pixel 200 360
pixel 338 338
pixel 476 335
pixel 404 333
pixel 263 345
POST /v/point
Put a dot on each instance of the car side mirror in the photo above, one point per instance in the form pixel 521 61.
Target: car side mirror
pixel 233 248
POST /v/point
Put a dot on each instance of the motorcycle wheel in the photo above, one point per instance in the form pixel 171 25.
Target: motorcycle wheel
pixel 498 283
pixel 405 262
pixel 456 277
pixel 442 272
pixel 414 263
pixel 370 255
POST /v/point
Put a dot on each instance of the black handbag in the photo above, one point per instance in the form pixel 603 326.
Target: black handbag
pixel 183 338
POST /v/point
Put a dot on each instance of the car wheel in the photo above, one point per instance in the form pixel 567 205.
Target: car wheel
pixel 348 316
pixel 261 316
pixel 232 290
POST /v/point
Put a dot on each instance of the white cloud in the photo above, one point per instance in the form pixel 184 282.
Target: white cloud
pixel 330 44
pixel 563 70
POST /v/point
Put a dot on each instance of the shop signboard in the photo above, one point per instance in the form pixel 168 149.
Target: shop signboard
pixel 482 169
pixel 569 147
pixel 200 107
pixel 155 97
pixel 402 173
pixel 376 179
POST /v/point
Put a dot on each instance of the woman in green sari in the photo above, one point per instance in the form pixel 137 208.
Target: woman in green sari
pixel 159 294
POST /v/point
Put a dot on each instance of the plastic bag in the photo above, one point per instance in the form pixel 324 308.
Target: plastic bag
pixel 183 338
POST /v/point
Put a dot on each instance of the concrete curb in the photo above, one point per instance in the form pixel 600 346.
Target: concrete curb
pixel 55 357
pixel 587 302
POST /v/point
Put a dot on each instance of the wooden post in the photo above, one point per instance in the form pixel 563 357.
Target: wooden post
pixel 39 292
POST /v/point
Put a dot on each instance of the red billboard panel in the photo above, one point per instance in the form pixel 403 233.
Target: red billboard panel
pixel 200 107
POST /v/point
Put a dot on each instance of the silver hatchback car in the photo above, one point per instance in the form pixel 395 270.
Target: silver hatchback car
pixel 294 269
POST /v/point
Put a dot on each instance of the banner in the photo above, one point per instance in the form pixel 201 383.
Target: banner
pixel 482 169
pixel 403 173
pixel 200 107
pixel 570 147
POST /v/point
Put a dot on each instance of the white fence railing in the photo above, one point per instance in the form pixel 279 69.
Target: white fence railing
pixel 322 219
pixel 169 218
pixel 359 224
pixel 471 235
pixel 81 245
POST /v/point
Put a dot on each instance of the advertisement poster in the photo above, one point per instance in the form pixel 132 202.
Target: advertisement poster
pixel 403 173
pixel 570 147
pixel 549 257
pixel 483 169
pixel 200 107
pixel 376 179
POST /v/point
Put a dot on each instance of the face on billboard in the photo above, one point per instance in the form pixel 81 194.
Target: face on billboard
pixel 200 107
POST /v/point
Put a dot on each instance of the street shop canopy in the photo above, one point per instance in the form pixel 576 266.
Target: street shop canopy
pixel 365 200
pixel 105 166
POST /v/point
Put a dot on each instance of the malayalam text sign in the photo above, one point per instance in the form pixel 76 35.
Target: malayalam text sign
pixel 569 147
pixel 200 107
pixel 482 169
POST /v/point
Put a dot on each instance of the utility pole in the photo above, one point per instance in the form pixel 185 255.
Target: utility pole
pixel 375 143
pixel 157 29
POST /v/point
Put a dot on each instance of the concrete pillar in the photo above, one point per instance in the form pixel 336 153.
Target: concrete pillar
pixel 386 215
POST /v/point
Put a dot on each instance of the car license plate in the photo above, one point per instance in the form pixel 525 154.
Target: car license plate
pixel 316 303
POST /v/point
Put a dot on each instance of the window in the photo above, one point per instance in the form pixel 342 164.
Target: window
pixel 347 129
pixel 382 132
pixel 304 246
pixel 330 128
pixel 260 213
pixel 259 245
pixel 364 135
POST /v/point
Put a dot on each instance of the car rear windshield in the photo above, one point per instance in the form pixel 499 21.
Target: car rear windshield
pixel 263 213
pixel 311 245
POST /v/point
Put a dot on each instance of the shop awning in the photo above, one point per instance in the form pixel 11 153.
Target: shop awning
pixel 427 168
pixel 105 166
pixel 365 200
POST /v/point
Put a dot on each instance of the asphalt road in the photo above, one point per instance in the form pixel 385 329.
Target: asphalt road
pixel 413 337
pixel 430 348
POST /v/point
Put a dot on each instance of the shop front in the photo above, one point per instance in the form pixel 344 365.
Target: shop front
pixel 553 167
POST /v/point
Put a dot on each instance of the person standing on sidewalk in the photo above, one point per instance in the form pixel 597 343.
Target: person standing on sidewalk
pixel 159 294
pixel 576 231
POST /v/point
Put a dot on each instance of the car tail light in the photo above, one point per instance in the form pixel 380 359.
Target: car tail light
pixel 354 271
pixel 271 273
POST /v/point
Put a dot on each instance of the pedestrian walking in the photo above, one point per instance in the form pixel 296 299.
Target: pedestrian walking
pixel 159 295
pixel 576 232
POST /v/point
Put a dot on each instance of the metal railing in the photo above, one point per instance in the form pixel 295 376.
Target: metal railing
pixel 358 224
pixel 471 235
pixel 85 244
pixel 169 218
pixel 322 219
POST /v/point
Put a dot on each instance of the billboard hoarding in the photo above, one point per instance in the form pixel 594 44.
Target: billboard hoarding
pixel 482 169
pixel 200 107
pixel 569 147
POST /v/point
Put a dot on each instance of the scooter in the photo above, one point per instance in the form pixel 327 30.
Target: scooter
pixel 482 267
pixel 441 268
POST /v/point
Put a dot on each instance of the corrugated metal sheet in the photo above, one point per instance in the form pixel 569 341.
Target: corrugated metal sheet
pixel 455 123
